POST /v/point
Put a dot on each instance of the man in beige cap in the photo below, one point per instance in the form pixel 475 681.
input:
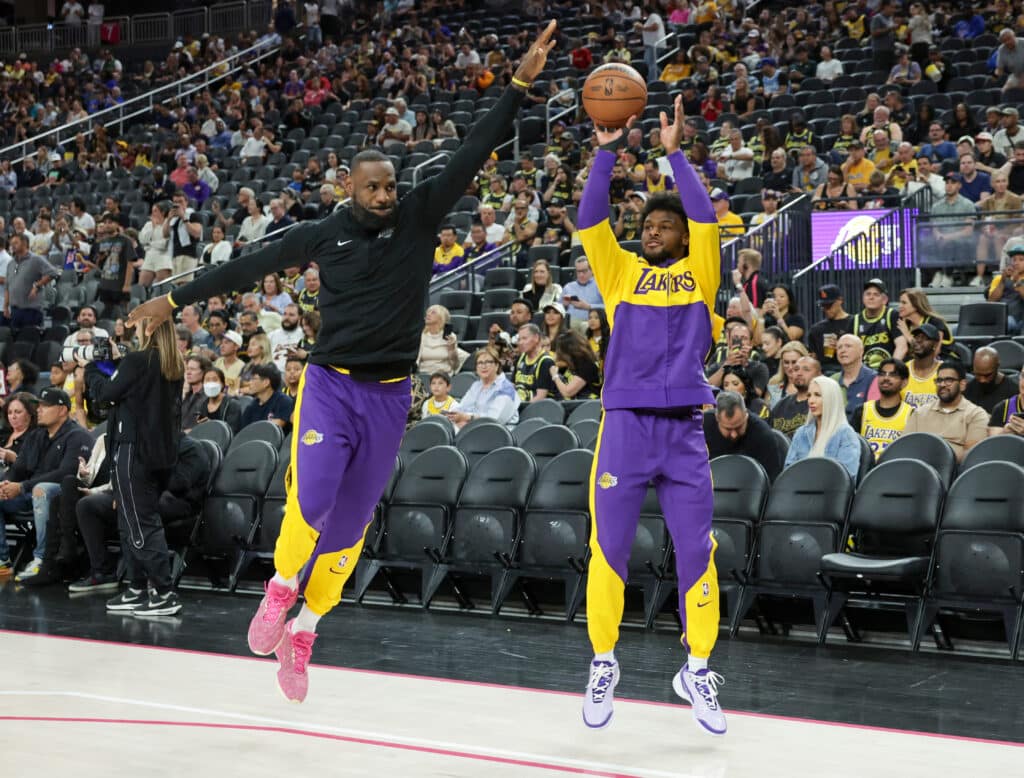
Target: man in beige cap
pixel 1011 133
pixel 988 159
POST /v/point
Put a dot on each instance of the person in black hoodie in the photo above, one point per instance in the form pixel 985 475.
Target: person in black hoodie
pixel 50 452
pixel 144 395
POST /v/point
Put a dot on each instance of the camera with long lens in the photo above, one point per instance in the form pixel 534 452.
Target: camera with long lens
pixel 100 350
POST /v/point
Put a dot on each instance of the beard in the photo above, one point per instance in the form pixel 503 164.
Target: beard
pixel 289 326
pixel 371 220
pixel 659 257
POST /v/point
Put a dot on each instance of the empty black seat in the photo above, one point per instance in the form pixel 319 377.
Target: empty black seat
pixel 215 431
pixel 893 520
pixel 927 448
pixel 260 430
pixel 426 435
pixel 979 552
pixel 481 438
pixel 803 519
pixel 548 442
pixel 546 409
pixel 998 448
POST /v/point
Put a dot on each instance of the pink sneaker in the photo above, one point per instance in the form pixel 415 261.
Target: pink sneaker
pixel 294 653
pixel 267 627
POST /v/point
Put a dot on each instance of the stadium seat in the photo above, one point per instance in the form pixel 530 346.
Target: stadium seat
pixel 587 409
pixel 424 436
pixel 979 551
pixel 924 447
pixel 524 429
pixel 484 436
pixel 214 430
pixel 980 322
pixel 487 526
pixel 273 508
pixel 260 430
pixel 803 519
pixel 893 520
pixel 998 448
pixel 231 513
pixel 1011 355
pixel 546 409
pixel 587 431
pixel 549 442
pixel 555 531
pixel 500 278
pixel 417 517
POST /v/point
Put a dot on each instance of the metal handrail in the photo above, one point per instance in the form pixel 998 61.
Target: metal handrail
pixel 495 256
pixel 548 118
pixel 146 101
pixel 439 156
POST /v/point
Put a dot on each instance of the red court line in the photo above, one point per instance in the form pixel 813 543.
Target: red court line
pixel 505 687
pixel 327 736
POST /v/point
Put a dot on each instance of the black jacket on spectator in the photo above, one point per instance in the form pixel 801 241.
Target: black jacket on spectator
pixel 141 399
pixel 190 477
pixel 758 444
pixel 46 460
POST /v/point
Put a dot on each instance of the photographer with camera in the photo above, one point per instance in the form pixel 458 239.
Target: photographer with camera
pixel 144 399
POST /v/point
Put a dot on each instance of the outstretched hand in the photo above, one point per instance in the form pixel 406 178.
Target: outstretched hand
pixel 605 136
pixel 154 313
pixel 672 134
pixel 536 56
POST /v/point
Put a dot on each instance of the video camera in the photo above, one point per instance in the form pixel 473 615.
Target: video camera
pixel 100 350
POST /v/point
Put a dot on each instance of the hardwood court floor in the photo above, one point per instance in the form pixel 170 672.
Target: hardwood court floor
pixel 410 701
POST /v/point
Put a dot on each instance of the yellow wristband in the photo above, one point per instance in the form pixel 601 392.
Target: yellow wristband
pixel 518 82
pixel 171 300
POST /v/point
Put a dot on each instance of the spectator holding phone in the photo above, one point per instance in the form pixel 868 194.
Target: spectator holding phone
pixel 1008 416
pixel 581 295
pixel 439 350
pixel 492 395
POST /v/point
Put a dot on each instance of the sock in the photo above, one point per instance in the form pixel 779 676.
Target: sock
pixel 695 664
pixel 607 656
pixel 292 583
pixel 306 621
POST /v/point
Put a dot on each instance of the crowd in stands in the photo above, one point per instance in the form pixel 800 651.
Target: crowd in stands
pixel 108 214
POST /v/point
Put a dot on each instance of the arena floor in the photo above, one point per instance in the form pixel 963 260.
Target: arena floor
pixel 412 693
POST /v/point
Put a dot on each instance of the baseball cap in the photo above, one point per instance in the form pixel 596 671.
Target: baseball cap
pixel 855 144
pixel 953 177
pixel 983 136
pixel 877 283
pixel 641 195
pixel 557 202
pixel 555 306
pixel 719 194
pixel 965 139
pixel 523 301
pixel 754 34
pixel 928 330
pixel 829 294
pixel 53 395
pixel 993 109
pixel 770 194
pixel 391 112
pixel 769 61
pixel 1010 111
pixel 1017 248
pixel 234 337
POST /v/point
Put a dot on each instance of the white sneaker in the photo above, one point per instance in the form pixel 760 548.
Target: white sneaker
pixel 977 281
pixel 700 689
pixel 936 280
pixel 32 569
pixel 597 705
pixel 947 280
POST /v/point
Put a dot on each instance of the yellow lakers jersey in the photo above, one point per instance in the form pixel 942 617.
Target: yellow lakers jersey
pixel 880 431
pixel 921 391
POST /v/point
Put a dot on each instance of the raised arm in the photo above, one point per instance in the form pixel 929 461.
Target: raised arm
pixel 237 275
pixel 436 196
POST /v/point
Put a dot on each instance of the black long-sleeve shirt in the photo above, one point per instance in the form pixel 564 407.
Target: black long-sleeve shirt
pixel 373 286
pixel 46 460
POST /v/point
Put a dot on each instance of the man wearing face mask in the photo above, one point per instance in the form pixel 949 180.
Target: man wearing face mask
pixel 375 259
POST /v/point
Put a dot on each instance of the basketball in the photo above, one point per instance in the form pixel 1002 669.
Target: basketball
pixel 612 93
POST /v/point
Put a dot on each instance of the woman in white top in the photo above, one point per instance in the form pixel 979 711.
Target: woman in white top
pixel 218 250
pixel 439 353
pixel 254 226
pixel 542 291
pixel 157 263
pixel 492 396
pixel 206 172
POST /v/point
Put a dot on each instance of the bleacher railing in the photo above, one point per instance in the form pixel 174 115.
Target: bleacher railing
pixel 469 277
pixel 140 29
pixel 113 118
pixel 873 246
pixel 554 110
pixel 783 240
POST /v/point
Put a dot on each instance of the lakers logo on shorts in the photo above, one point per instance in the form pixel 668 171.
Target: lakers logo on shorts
pixel 607 481
pixel 312 437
